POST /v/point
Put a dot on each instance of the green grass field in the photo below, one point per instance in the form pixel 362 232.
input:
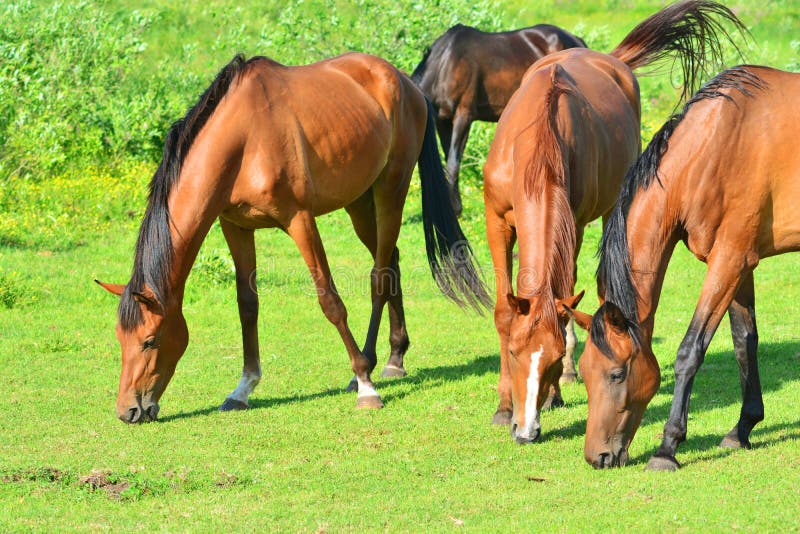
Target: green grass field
pixel 302 458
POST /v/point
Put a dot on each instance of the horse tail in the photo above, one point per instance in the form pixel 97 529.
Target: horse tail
pixel 419 72
pixel 450 255
pixel 692 30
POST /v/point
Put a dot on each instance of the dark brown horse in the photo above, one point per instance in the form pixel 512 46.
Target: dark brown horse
pixel 275 146
pixel 557 161
pixel 723 176
pixel 470 75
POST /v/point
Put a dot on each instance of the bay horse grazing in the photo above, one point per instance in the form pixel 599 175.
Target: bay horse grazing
pixel 275 146
pixel 723 176
pixel 470 75
pixel 557 161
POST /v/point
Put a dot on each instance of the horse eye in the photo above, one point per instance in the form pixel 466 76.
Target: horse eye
pixel 618 375
pixel 149 343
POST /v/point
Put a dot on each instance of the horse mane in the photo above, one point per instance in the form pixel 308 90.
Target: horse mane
pixel 153 257
pixel 614 271
pixel 546 171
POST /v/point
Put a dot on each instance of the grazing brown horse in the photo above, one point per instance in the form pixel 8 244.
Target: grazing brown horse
pixel 470 75
pixel 558 158
pixel 728 178
pixel 275 146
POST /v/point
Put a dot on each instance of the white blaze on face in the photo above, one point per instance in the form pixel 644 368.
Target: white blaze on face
pixel 531 412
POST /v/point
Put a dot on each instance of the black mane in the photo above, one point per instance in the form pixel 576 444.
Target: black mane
pixel 153 258
pixel 614 270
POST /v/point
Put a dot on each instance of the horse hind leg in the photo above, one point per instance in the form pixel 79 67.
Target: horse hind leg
pixel 242 246
pixel 362 215
pixel 461 125
pixel 742 315
pixel 303 230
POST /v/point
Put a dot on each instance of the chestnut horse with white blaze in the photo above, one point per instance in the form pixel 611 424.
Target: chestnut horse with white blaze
pixel 557 161
pixel 728 173
pixel 275 146
pixel 469 75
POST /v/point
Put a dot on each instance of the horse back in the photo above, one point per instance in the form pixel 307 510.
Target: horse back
pixel 318 136
pixel 733 166
pixel 598 121
pixel 480 71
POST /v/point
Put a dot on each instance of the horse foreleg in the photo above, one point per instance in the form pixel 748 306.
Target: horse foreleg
pixel 303 230
pixel 501 239
pixel 725 274
pixel 569 374
pixel 742 313
pixel 461 125
pixel 242 246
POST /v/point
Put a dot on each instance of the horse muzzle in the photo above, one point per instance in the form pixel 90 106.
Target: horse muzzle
pixel 525 438
pixel 139 414
pixel 607 460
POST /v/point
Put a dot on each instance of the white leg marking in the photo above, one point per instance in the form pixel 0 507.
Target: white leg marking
pixel 365 389
pixel 531 411
pixel 247 384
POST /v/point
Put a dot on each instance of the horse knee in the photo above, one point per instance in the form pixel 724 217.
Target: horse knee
pixel 333 308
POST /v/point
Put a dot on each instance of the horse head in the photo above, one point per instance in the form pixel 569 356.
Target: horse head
pixel 151 348
pixel 536 346
pixel 621 377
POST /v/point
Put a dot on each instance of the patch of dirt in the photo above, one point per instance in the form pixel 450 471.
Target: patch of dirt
pixel 100 480
pixel 43 474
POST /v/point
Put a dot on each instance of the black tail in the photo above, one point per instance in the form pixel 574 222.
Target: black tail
pixel 450 256
pixel 692 30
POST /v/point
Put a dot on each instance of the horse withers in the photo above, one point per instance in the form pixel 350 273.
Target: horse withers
pixel 470 75
pixel 723 176
pixel 560 153
pixel 275 146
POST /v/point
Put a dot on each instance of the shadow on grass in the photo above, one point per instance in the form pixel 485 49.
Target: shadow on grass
pixel 716 386
pixel 423 378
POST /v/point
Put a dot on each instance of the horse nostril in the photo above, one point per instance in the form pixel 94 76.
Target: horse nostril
pixel 132 415
pixel 603 460
pixel 152 412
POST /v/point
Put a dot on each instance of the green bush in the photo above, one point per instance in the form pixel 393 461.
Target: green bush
pixel 70 90
pixel 15 291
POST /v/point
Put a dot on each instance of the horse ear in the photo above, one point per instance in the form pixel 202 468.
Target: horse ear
pixel 148 298
pixel 584 320
pixel 614 316
pixel 570 302
pixel 522 306
pixel 115 289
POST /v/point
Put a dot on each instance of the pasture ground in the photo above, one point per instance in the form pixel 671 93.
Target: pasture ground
pixel 302 458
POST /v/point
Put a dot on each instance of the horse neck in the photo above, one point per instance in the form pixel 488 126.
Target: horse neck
pixel 546 237
pixel 194 205
pixel 652 233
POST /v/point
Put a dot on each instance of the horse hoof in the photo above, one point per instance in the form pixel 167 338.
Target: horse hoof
pixel 353 385
pixel 663 463
pixel 732 442
pixel 393 371
pixel 568 378
pixel 231 405
pixel 502 417
pixel 370 402
pixel 553 402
